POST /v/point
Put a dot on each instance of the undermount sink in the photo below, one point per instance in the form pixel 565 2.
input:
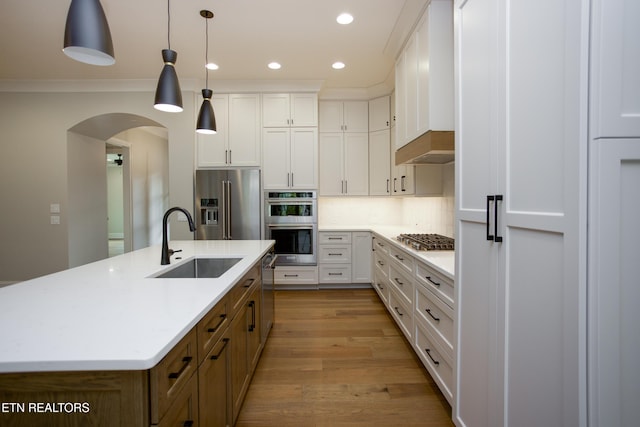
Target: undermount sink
pixel 200 268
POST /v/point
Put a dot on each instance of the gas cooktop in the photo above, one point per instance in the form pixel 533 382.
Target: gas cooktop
pixel 427 242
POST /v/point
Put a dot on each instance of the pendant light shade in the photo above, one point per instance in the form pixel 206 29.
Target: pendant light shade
pixel 168 93
pixel 206 118
pixel 86 36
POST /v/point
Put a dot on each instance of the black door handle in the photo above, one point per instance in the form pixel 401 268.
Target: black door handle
pixel 497 238
pixel 489 200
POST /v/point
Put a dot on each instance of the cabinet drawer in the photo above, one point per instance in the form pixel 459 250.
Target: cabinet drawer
pixel 335 273
pixel 334 237
pixel 432 356
pixel 437 315
pixel 302 275
pixel 381 264
pixel 168 377
pixel 436 283
pixel 335 253
pixel 403 259
pixel 184 410
pixel 240 291
pixel 402 282
pixel 380 246
pixel 211 327
pixel 402 313
pixel 382 287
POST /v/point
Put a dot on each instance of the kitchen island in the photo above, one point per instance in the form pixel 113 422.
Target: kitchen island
pixel 83 346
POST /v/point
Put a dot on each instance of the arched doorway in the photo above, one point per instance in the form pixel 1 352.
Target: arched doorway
pixel 145 196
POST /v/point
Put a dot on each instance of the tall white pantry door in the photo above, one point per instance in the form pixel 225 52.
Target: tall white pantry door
pixel 521 85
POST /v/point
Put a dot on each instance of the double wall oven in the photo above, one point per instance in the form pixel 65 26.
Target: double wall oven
pixel 291 219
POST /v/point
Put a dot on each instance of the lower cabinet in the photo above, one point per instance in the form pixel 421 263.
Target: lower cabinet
pixel 344 257
pixel 202 381
pixel 420 300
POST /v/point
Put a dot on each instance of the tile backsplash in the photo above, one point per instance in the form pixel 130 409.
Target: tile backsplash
pixel 423 214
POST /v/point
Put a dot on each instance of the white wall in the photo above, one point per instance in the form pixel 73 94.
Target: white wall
pixel 34 171
pixel 115 202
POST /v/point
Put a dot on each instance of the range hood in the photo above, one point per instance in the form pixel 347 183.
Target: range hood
pixel 433 146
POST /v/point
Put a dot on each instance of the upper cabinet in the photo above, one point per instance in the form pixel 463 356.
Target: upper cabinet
pixel 424 76
pixel 237 142
pixel 379 118
pixel 344 116
pixel 289 110
pixel 616 86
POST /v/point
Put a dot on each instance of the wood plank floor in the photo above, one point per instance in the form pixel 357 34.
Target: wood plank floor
pixel 336 358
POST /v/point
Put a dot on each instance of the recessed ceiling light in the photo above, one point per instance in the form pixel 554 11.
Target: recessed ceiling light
pixel 212 66
pixel 338 65
pixel 344 18
pixel 274 65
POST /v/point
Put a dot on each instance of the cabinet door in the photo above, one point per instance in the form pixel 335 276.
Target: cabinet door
pixel 304 157
pixel 275 110
pixel 213 393
pixel 356 116
pixel 244 130
pixel 212 149
pixel 238 347
pixel 400 104
pixel 361 255
pixel 331 163
pixel 616 86
pixel 411 90
pixel 304 110
pixel 356 164
pixel 275 158
pixel 379 114
pixel 614 342
pixel 331 116
pixel 379 163
pixel 402 176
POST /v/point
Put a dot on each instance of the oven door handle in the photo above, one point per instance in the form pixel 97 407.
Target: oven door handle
pixel 300 226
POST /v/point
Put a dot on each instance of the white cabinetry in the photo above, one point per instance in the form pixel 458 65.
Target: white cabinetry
pixel 424 76
pixel 237 142
pixel 519 136
pixel 614 208
pixel 420 300
pixel 289 158
pixel 284 110
pixel 379 147
pixel 379 114
pixel 344 116
pixel 344 257
pixel 344 166
pixel 402 176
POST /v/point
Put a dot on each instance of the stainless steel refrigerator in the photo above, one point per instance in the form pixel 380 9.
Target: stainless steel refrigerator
pixel 227 204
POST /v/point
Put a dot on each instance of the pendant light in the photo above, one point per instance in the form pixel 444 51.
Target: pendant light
pixel 86 35
pixel 206 117
pixel 168 94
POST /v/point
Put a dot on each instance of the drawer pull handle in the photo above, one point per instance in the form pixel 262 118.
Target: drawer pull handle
pixel 215 328
pixel 185 363
pixel 250 282
pixel 398 311
pixel 399 257
pixel 333 254
pixel 435 362
pixel 252 306
pixel 428 310
pixel 335 274
pixel 398 281
pixel 334 238
pixel 290 275
pixel 217 356
pixel 188 423
pixel 431 280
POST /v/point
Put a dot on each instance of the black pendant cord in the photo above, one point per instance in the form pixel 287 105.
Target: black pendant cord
pixel 206 53
pixel 169 24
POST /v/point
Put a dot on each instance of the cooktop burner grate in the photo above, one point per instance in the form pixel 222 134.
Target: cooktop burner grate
pixel 427 242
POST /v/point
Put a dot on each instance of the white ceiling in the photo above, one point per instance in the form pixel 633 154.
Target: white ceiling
pixel 244 36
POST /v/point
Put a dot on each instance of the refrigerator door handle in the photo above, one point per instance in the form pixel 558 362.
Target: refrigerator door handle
pixel 224 210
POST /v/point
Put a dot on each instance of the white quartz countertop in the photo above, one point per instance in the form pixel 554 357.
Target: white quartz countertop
pixel 442 261
pixel 111 314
